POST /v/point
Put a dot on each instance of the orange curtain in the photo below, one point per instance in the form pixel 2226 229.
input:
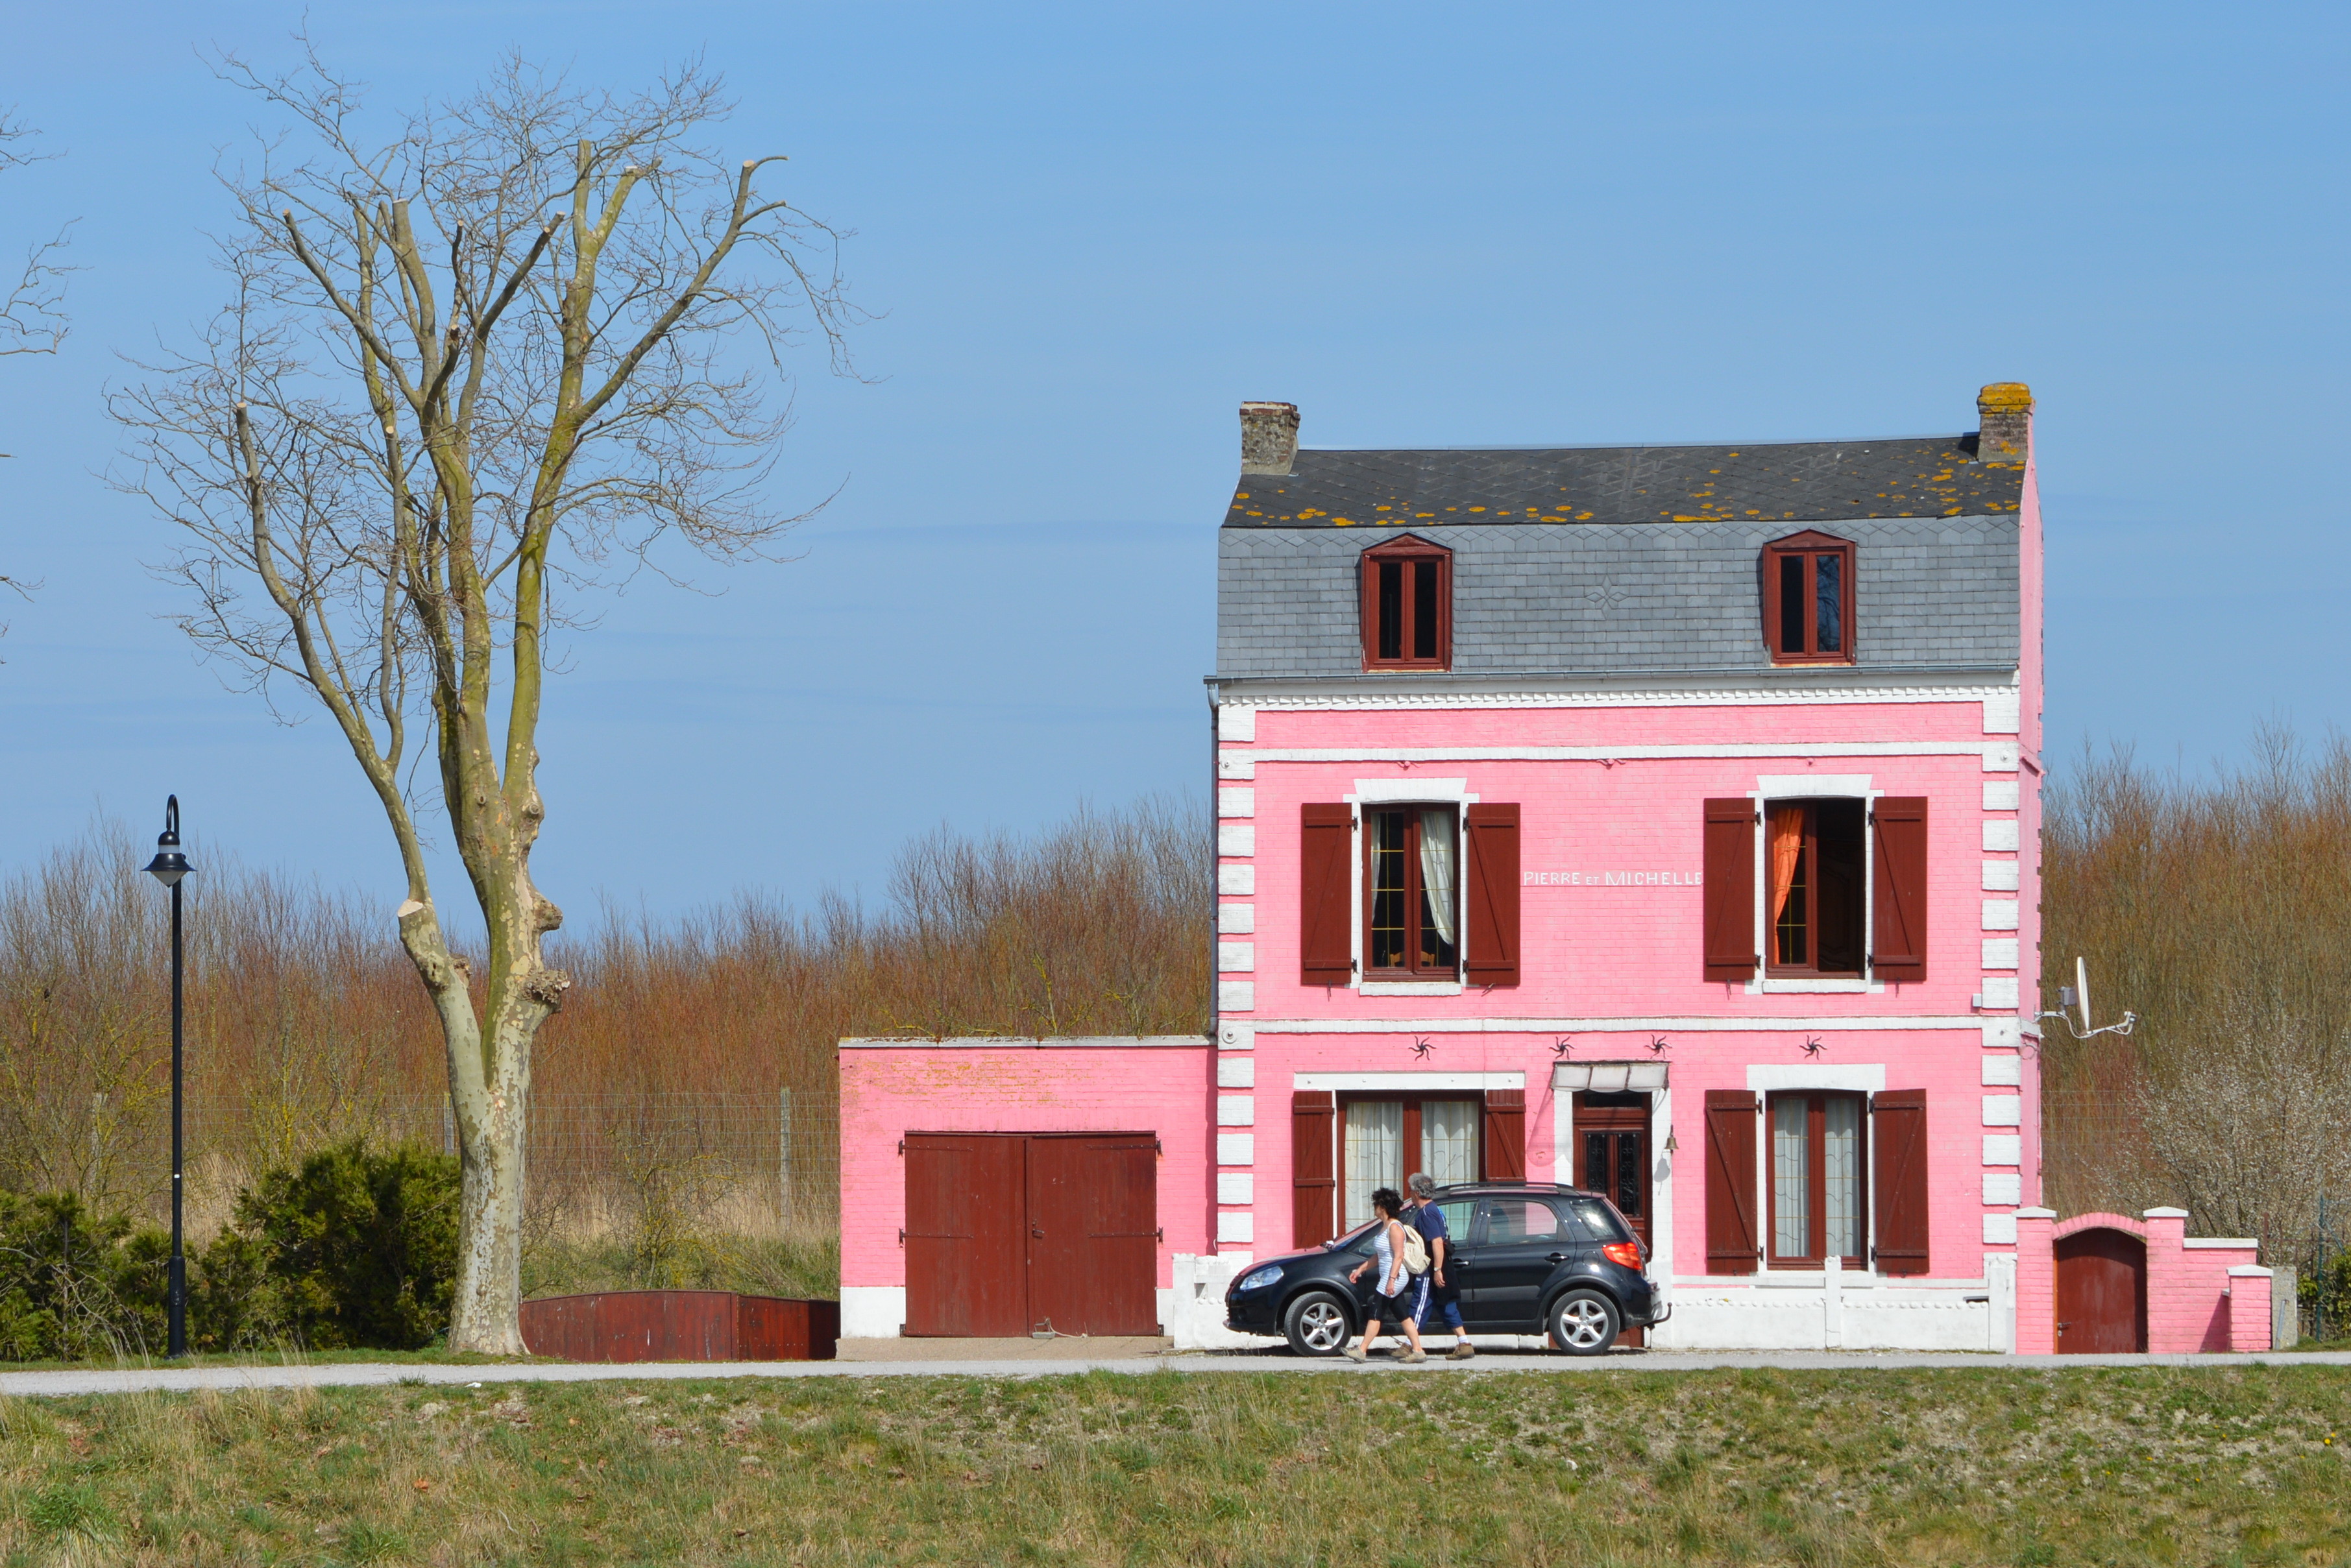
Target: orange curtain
pixel 1787 841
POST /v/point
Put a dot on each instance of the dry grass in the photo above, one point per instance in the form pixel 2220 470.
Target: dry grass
pixel 657 1089
pixel 2219 911
pixel 2169 1466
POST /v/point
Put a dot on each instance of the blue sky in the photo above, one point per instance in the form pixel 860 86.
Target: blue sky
pixel 1091 231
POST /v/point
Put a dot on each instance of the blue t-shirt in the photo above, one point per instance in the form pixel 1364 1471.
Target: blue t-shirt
pixel 1429 1220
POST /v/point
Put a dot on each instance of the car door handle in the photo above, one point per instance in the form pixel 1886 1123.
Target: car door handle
pixel 1555 1257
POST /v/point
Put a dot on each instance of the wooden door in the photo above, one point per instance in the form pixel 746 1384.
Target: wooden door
pixel 1612 1158
pixel 1092 1207
pixel 967 1253
pixel 2101 1293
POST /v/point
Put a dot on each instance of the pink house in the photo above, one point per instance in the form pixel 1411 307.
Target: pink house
pixel 1655 820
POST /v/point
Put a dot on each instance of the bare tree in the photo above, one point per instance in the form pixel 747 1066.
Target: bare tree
pixel 32 314
pixel 470 371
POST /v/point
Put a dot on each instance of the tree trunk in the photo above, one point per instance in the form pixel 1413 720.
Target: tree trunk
pixel 489 1091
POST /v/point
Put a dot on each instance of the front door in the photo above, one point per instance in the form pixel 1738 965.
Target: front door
pixel 1612 1158
pixel 2101 1293
pixel 1521 1243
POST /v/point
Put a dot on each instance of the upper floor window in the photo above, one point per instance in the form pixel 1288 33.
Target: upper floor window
pixel 1814 862
pixel 1808 599
pixel 1407 606
pixel 1412 888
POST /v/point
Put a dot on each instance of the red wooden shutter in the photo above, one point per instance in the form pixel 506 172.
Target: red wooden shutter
pixel 1730 1244
pixel 1325 930
pixel 1901 1138
pixel 1493 896
pixel 1313 1168
pixel 1730 883
pixel 1506 1133
pixel 1899 938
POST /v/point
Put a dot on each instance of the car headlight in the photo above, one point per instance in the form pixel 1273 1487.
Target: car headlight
pixel 1258 1279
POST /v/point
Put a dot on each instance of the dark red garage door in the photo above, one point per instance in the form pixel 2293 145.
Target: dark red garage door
pixel 1013 1233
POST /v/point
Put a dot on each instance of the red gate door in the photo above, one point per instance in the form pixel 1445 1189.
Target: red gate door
pixel 2101 1293
pixel 1094 1202
pixel 966 1253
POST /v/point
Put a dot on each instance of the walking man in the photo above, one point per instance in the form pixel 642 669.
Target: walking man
pixel 1434 1288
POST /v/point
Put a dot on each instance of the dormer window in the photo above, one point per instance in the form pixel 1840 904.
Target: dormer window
pixel 1407 606
pixel 1808 599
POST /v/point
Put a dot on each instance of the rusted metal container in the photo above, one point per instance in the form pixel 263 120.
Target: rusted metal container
pixel 680 1325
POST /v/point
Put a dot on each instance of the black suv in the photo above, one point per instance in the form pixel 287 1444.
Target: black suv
pixel 1528 1258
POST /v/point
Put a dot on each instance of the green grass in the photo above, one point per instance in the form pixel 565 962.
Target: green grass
pixel 2127 1466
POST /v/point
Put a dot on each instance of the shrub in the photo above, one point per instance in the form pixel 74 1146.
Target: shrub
pixel 74 1284
pixel 359 1246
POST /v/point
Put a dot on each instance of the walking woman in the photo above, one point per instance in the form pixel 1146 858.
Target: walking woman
pixel 1390 1301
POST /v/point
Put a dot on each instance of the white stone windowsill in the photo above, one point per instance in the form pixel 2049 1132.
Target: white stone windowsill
pixel 1411 987
pixel 1832 986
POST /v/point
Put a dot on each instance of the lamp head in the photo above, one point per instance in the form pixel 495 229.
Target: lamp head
pixel 169 865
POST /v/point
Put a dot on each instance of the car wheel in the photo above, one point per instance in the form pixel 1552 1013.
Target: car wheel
pixel 1583 1323
pixel 1317 1323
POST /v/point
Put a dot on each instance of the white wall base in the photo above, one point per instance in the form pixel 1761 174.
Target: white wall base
pixel 1193 1313
pixel 1834 1317
pixel 873 1312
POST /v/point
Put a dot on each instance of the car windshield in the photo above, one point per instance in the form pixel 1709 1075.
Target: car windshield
pixel 1358 1240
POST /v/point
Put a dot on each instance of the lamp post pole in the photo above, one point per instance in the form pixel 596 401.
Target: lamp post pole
pixel 170 866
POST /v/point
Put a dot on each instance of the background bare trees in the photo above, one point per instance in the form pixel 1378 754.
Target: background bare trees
pixel 2220 911
pixel 32 313
pixel 306 1025
pixel 475 365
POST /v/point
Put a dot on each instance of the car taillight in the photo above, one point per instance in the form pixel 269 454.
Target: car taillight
pixel 1625 1252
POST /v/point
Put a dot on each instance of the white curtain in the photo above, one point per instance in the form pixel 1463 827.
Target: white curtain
pixel 1840 1159
pixel 1791 1209
pixel 1374 1153
pixel 1436 862
pixel 1448 1140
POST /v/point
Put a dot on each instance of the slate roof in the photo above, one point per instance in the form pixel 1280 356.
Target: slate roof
pixel 1763 482
pixel 1931 592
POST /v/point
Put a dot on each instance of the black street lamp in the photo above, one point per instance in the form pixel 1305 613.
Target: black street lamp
pixel 168 867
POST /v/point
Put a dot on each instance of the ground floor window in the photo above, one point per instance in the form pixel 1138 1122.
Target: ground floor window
pixel 1818 1189
pixel 1384 1139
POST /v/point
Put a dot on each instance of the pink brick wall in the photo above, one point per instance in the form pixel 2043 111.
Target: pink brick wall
pixel 888 1091
pixel 1631 951
pixel 1943 1063
pixel 2193 1303
pixel 2249 1311
pixel 2036 1285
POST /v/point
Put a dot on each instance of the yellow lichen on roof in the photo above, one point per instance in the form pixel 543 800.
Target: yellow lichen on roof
pixel 2005 395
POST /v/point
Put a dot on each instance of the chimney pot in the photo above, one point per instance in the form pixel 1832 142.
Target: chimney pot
pixel 2005 408
pixel 1269 437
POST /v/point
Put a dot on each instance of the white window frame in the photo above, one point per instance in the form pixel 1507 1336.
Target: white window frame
pixel 1771 788
pixel 1455 792
pixel 1869 1082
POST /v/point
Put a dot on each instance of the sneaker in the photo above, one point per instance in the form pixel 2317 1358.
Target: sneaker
pixel 1414 1355
pixel 1355 1353
pixel 1462 1351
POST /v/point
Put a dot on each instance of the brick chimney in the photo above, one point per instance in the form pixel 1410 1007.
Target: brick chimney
pixel 1269 437
pixel 2006 411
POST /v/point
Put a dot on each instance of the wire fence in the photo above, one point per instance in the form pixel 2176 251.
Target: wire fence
pixel 736 1162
